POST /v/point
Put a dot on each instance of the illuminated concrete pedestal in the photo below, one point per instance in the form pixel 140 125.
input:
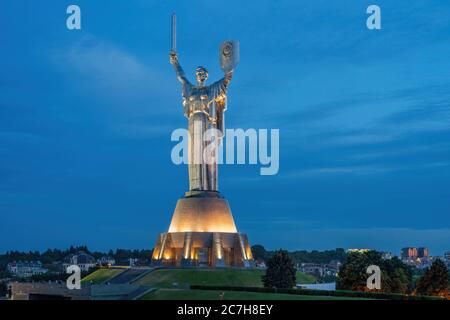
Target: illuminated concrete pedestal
pixel 202 233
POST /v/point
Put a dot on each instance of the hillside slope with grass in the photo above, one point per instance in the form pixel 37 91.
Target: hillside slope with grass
pixel 226 277
pixel 101 275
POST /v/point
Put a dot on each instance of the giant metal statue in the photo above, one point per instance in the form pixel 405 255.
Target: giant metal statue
pixel 202 231
pixel 204 106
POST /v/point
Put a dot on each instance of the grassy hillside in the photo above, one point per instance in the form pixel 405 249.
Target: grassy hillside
pixel 101 275
pixel 181 294
pixel 226 277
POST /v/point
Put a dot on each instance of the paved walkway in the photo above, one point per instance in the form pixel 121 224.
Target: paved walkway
pixel 129 275
pixel 121 286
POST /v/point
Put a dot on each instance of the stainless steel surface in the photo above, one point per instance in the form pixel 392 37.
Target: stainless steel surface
pixel 229 55
pixel 174 33
pixel 204 106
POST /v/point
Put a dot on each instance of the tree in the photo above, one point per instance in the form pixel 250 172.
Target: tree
pixel 352 275
pixel 400 275
pixel 259 252
pixel 434 282
pixel 3 289
pixel 395 275
pixel 315 256
pixel 280 272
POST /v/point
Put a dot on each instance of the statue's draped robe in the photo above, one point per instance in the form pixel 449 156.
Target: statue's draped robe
pixel 204 106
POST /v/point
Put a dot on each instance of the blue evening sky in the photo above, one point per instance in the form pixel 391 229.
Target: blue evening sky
pixel 364 119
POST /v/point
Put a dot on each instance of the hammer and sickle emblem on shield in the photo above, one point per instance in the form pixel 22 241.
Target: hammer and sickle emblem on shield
pixel 227 49
pixel 229 55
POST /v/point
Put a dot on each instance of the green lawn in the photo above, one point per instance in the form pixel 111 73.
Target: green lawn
pixel 182 294
pixel 101 275
pixel 223 277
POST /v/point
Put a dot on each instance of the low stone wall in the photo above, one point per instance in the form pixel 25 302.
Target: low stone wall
pixel 58 291
pixel 47 291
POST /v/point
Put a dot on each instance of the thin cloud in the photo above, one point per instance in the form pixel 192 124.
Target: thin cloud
pixel 114 75
pixel 362 169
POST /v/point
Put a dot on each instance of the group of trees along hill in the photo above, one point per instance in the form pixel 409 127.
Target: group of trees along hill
pixel 396 276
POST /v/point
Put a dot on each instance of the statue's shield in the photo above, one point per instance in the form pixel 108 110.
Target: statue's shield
pixel 229 55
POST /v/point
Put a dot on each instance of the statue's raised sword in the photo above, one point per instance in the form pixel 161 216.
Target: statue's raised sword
pixel 174 34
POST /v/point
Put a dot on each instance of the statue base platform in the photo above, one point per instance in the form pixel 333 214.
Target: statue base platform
pixel 202 233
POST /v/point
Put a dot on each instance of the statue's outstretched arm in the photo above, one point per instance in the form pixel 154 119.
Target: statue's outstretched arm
pixel 225 81
pixel 179 71
pixel 228 77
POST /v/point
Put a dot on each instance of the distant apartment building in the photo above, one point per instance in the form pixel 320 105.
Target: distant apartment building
pixel 26 269
pixel 81 259
pixel 409 253
pixel 423 252
pixel 447 259
pixel 413 253
pixel 447 256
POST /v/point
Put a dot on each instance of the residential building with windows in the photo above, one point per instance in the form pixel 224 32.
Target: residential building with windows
pixel 81 259
pixel 26 268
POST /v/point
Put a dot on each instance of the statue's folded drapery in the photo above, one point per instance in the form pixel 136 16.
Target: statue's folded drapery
pixel 204 106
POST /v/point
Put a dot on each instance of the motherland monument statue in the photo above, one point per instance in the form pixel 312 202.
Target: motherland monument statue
pixel 202 231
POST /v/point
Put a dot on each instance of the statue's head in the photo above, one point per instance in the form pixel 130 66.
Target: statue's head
pixel 201 74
